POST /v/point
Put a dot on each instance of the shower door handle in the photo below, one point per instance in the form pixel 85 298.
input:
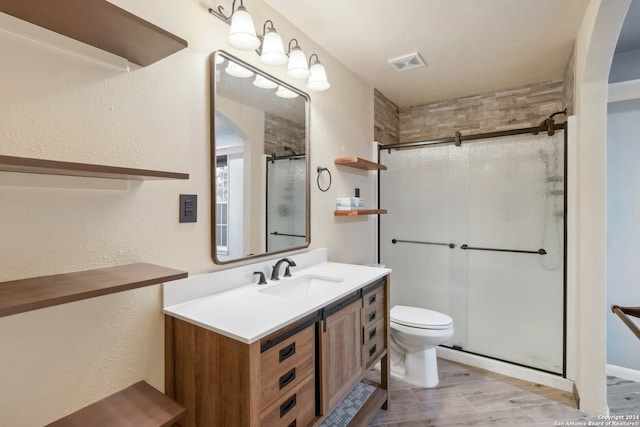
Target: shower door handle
pixel 518 251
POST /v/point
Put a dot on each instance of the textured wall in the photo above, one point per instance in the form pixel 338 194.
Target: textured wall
pixel 594 51
pixel 386 120
pixel 280 133
pixel 569 82
pixel 487 112
pixel 64 106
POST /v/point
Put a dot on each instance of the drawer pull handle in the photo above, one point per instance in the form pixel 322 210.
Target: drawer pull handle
pixel 294 423
pixel 287 352
pixel 287 406
pixel 372 350
pixel 372 299
pixel 372 316
pixel 287 378
pixel 373 333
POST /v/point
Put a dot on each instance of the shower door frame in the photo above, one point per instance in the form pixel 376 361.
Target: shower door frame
pixel 549 127
pixel 272 159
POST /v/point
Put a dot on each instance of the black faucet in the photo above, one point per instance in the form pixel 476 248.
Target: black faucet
pixel 276 268
pixel 261 280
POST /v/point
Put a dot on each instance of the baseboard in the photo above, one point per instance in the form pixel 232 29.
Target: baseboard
pixel 621 372
pixel 508 369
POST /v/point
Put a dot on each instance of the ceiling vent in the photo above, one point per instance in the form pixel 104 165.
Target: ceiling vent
pixel 407 62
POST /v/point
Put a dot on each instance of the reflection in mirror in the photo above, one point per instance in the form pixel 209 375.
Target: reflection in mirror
pixel 260 163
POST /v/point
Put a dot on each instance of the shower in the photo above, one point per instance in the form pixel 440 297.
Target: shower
pixel 285 198
pixel 478 233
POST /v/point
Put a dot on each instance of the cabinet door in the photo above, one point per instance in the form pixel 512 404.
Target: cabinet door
pixel 341 347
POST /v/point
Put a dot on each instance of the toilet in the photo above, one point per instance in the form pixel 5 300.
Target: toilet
pixel 415 333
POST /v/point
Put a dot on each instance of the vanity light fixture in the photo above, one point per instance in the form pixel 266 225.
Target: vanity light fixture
pixel 283 92
pixel 269 47
pixel 242 34
pixel 236 70
pixel 318 76
pixel 264 83
pixel 297 68
pixel 272 48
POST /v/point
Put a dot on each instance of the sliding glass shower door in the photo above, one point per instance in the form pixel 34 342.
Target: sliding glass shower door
pixel 286 203
pixel 477 232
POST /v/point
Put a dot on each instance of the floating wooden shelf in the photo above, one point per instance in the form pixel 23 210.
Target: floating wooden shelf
pixel 101 24
pixel 52 167
pixel 358 163
pixel 18 296
pixel 361 212
pixel 136 405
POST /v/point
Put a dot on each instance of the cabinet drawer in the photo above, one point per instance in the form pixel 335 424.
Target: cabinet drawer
pixel 373 307
pixel 284 365
pixel 294 409
pixel 374 346
pixel 373 332
pixel 374 297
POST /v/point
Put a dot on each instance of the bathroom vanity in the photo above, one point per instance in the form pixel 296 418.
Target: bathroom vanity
pixel 282 354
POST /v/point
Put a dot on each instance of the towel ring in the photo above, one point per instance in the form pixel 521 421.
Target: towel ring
pixel 320 170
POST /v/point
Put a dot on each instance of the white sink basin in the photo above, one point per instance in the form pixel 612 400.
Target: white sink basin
pixel 303 286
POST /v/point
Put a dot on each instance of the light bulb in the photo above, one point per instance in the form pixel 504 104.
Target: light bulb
pixel 242 34
pixel 318 78
pixel 272 49
pixel 297 68
pixel 264 83
pixel 237 70
pixel 283 92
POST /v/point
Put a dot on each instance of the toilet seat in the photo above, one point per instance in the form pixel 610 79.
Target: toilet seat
pixel 420 318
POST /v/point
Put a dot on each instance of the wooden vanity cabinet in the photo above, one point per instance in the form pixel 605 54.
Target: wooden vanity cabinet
pixel 341 351
pixel 224 382
pixel 294 377
pixel 374 323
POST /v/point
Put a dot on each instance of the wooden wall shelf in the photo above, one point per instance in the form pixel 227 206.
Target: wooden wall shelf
pixel 53 167
pixel 101 24
pixel 136 405
pixel 18 296
pixel 358 163
pixel 361 212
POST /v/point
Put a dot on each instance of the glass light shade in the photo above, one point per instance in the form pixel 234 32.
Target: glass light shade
pixel 264 83
pixel 242 34
pixel 283 92
pixel 272 49
pixel 318 78
pixel 298 68
pixel 236 70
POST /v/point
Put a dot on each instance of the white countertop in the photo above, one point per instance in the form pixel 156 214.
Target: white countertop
pixel 248 313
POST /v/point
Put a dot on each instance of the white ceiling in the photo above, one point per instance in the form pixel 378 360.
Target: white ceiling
pixel 470 46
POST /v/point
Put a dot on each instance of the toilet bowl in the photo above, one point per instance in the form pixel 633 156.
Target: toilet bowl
pixel 415 333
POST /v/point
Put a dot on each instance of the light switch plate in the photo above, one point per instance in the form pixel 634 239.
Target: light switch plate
pixel 188 208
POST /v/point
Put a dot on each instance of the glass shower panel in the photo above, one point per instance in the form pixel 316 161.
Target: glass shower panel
pixel 503 193
pixel 516 202
pixel 286 201
pixel 423 197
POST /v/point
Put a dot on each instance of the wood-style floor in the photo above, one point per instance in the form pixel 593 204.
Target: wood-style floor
pixel 468 396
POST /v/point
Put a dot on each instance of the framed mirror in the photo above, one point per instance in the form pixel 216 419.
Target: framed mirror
pixel 259 163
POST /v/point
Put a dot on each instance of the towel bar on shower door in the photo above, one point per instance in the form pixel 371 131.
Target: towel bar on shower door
pixel 622 313
pixel 518 251
pixel 451 245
